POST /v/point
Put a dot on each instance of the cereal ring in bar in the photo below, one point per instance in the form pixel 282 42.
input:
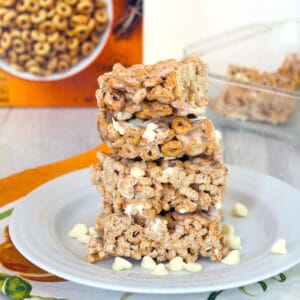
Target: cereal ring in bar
pixel 181 125
pixel 172 148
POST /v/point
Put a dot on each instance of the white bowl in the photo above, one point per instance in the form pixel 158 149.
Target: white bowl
pixel 81 65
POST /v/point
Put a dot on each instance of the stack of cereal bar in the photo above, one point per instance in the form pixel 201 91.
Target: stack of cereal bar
pixel 164 182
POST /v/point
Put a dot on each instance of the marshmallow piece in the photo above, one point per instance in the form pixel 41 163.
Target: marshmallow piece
pixel 279 247
pixel 123 115
pixel 78 230
pixel 137 172
pixel 121 264
pixel 234 241
pixel 83 239
pixel 227 229
pixel 192 267
pixel 175 264
pixel 149 133
pixel 160 270
pixel 232 258
pixel 239 210
pixel 148 263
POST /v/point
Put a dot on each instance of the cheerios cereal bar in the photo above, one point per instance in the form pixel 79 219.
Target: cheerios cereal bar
pixel 145 189
pixel 188 236
pixel 150 140
pixel 291 66
pixel 153 91
pixel 247 103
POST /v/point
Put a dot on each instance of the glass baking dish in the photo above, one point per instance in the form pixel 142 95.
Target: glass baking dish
pixel 262 47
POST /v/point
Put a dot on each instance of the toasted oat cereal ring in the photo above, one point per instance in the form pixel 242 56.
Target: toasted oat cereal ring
pixel 30 63
pixel 18 67
pixel 91 25
pixel 25 34
pixel 101 16
pixel 74 53
pixel 40 60
pixel 21 6
pixel 87 48
pixel 3 11
pixel 2 52
pixel 52 64
pixel 12 57
pixel 15 33
pixel 36 70
pixel 119 143
pixel 18 46
pixel 50 12
pixel 46 3
pixel 46 27
pixel 172 148
pixel 80 19
pixel 23 21
pixel 9 18
pixel 132 136
pixel 181 125
pixel 59 22
pixel 23 58
pixel 39 16
pixel 63 9
pixel 95 37
pixel 38 36
pixel 85 7
pixel 82 32
pixel 150 152
pixel 63 66
pixel 100 4
pixel 72 43
pixel 100 27
pixel 60 44
pixel 8 3
pixel 32 5
pixel 71 2
pixel 167 134
pixel 129 151
pixel 41 48
pixel 195 147
pixel 5 40
pixel 64 56
pixel 74 61
pixel 52 38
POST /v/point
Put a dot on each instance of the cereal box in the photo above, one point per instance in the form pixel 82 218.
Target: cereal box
pixel 52 51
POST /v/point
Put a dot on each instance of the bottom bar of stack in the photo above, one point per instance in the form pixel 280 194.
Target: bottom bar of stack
pixel 189 236
pixel 161 209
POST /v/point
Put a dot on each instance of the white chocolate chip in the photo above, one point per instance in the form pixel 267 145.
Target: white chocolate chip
pixel 218 205
pixel 78 230
pixel 121 264
pixel 83 239
pixel 218 136
pixel 279 247
pixel 227 229
pixel 192 267
pixel 123 115
pixel 118 127
pixel 175 264
pixel 92 232
pixel 239 210
pixel 234 241
pixel 148 263
pixel 160 270
pixel 137 172
pixel 149 133
pixel 232 258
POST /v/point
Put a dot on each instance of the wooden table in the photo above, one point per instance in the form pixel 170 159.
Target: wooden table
pixel 30 137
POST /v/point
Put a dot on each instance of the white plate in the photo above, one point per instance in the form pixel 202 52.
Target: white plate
pixel 40 223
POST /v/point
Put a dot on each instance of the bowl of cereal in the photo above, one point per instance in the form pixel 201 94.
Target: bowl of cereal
pixel 45 40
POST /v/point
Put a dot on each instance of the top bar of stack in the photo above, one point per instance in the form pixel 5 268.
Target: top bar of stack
pixel 155 111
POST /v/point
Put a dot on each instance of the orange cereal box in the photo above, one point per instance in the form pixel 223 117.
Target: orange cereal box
pixel 52 52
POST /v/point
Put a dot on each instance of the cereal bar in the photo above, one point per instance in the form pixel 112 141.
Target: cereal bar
pixel 291 66
pixel 170 137
pixel 189 236
pixel 145 189
pixel 247 103
pixel 153 91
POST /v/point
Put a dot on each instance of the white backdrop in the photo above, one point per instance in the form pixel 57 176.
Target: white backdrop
pixel 172 24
